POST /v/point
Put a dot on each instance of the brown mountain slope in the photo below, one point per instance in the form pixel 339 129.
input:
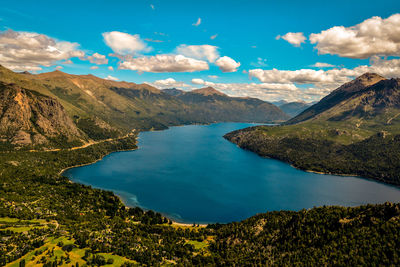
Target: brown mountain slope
pixel 338 95
pixel 122 106
pixel 30 118
pixel 207 91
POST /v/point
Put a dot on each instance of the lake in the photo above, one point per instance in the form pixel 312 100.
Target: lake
pixel 192 174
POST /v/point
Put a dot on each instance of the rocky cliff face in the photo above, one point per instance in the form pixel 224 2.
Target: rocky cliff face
pixel 29 118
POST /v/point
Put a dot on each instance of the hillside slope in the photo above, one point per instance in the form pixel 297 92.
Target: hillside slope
pixel 338 95
pixel 213 104
pixel 294 108
pixel 356 131
pixel 121 106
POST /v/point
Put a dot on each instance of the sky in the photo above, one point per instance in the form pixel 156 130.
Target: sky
pixel 272 50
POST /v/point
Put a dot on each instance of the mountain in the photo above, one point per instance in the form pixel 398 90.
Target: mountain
pixel 207 91
pixel 294 108
pixel 353 131
pixel 104 109
pixel 279 103
pixel 217 106
pixel 30 118
pixel 340 94
pixel 173 91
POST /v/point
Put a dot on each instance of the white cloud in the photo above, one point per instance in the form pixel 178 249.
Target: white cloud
pixel 374 36
pixel 202 82
pixel 168 83
pixel 163 63
pixel 302 76
pixel 227 64
pixel 98 59
pixel 110 68
pixel 294 38
pixel 59 67
pixel 124 43
pixel 283 84
pixel 212 37
pixel 331 78
pixel 264 91
pixel 322 65
pixel 94 67
pixel 197 23
pixel 203 52
pixel 111 78
pixel 29 51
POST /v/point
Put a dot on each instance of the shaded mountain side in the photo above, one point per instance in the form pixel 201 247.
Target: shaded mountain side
pixel 173 91
pixel 30 118
pixel 294 108
pixel 124 105
pixel 208 102
pixel 358 135
pixel 380 100
pixel 337 96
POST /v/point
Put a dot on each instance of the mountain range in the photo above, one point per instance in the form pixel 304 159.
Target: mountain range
pixel 100 109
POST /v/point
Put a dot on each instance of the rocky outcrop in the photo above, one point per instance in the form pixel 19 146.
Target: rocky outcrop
pixel 29 118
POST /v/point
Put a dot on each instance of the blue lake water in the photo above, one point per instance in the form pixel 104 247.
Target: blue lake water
pixel 192 174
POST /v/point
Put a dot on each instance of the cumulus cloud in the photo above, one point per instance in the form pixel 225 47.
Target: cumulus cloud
pixel 29 51
pixel 94 67
pixel 98 59
pixel 227 64
pixel 110 68
pixel 204 52
pixel 294 38
pixel 264 91
pixel 197 23
pixel 125 43
pixel 374 36
pixel 202 82
pixel 163 63
pixel 322 65
pixel 331 78
pixel 168 83
pixel 111 78
pixel 302 76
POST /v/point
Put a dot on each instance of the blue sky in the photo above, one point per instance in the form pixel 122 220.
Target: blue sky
pixel 244 31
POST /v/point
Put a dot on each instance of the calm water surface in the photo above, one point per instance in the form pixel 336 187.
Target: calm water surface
pixel 192 174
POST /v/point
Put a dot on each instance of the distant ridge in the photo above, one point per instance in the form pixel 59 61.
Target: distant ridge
pixel 207 91
pixel 101 109
pixel 173 91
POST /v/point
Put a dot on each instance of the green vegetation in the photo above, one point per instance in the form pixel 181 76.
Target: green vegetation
pixel 58 222
pixel 353 131
pixel 47 220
